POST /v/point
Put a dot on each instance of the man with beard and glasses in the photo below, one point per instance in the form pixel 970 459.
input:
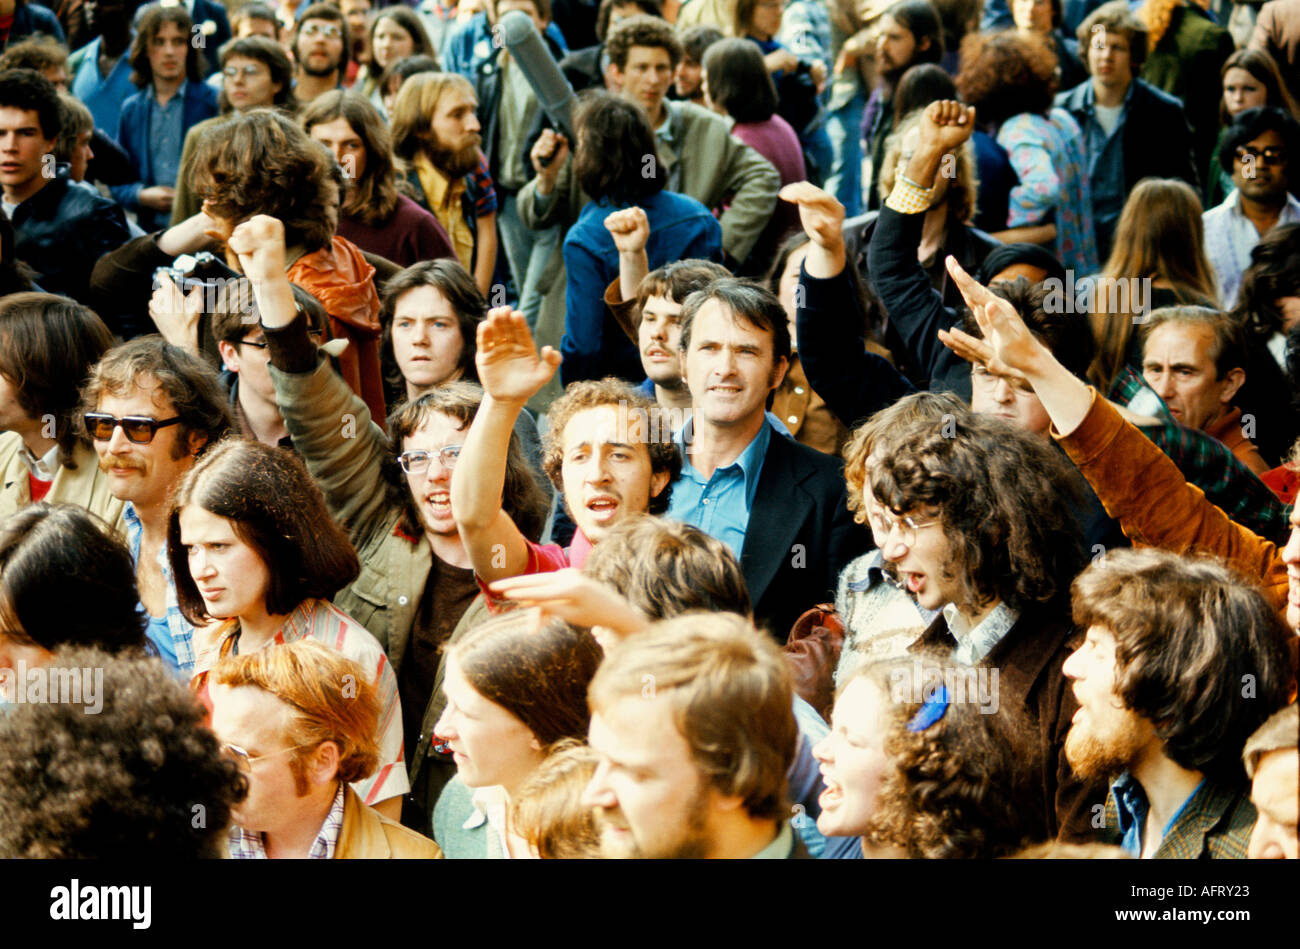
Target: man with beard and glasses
pixel 693 725
pixel 910 33
pixel 1182 661
pixel 436 139
pixel 320 48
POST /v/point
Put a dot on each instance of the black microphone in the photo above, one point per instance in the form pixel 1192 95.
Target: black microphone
pixel 519 35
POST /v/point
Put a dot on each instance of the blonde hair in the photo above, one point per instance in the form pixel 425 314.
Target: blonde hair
pixel 548 811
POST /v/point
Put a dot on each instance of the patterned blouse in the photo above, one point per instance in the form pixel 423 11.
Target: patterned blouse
pixel 1047 153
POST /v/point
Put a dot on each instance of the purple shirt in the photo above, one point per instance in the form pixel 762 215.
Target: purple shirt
pixel 411 235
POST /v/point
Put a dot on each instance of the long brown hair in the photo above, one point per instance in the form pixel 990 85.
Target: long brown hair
pixel 1160 237
pixel 1264 69
pixel 372 197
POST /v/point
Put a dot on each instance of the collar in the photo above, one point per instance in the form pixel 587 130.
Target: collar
pixel 178 96
pixel 750 461
pixel 976 642
pixel 780 847
pixel 579 549
pixel 438 188
pixel 252 846
pixel 43 468
pixel 1131 808
pixel 875 573
pixel 670 130
pixel 1090 95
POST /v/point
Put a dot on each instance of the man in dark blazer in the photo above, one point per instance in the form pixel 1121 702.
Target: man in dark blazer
pixel 779 505
pixel 1131 130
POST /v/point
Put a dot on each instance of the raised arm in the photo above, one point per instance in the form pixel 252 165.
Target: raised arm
pixel 853 382
pixel 511 372
pixel 630 229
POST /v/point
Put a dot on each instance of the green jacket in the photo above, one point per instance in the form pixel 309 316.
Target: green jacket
pixel 345 452
pixel 720 167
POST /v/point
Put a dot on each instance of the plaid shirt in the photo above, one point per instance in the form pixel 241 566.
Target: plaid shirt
pixel 322 621
pixel 182 633
pixel 1206 462
pixel 246 846
pixel 1215 823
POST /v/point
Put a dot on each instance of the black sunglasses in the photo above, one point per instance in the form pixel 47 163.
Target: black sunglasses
pixel 139 428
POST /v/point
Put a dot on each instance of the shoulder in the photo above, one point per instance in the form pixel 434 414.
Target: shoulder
pixel 805 463
pixel 1149 96
pixel 367 834
pixel 335 628
pixel 451 814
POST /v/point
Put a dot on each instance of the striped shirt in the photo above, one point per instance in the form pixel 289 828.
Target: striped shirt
pixel 250 846
pixel 322 621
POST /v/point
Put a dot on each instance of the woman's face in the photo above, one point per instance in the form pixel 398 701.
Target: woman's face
pixel 1033 15
pixel 390 42
pixel 231 576
pixel 766 20
pixel 489 744
pixel 427 344
pixel 1242 91
pixel 853 759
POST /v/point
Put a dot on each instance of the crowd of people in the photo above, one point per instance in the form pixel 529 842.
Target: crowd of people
pixel 849 429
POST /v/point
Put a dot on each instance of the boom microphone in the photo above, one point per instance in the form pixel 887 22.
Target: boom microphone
pixel 519 35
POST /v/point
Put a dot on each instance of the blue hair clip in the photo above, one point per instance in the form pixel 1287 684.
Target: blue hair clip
pixel 935 707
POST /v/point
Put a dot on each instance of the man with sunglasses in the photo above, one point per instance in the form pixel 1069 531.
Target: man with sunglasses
pixel 299 802
pixel 320 48
pixel 151 409
pixel 1255 151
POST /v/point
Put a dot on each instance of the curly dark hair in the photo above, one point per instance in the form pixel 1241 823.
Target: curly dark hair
pixel 1274 273
pixel 589 394
pixel 642 30
pixel 1188 633
pixel 1250 125
pixel 965 787
pixel 262 162
pixel 276 509
pixel 142 776
pixel 1006 500
pixel 28 90
pixel 522 497
pixel 1006 73
pixel 606 11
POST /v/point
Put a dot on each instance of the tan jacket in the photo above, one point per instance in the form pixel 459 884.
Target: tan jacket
pixel 85 485
pixel 368 835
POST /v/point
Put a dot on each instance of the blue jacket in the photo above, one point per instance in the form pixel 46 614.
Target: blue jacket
pixel 133 136
pixel 32 18
pixel 594 346
pixel 470 45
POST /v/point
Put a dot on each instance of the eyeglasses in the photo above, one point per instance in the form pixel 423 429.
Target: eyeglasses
pixel 905 526
pixel 262 344
pixel 248 71
pixel 1273 155
pixel 244 761
pixel 319 29
pixel 417 462
pixel 139 428
pixel 980 373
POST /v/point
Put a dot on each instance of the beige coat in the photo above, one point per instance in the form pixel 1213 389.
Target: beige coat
pixel 85 485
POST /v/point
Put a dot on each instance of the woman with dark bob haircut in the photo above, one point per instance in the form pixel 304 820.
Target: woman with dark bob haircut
pixel 65 580
pixel 252 544
pixel 618 166
pixel 917 766
pixel 515 686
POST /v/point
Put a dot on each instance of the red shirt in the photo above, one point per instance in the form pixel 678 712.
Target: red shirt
pixel 544 558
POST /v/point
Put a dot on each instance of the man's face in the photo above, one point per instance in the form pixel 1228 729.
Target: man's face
pixel 1108 60
pixel 106 16
pixel 729 367
pixel 168 51
pixel 354 11
pixel 1105 738
pixel 687 79
pixel 645 77
pixel 925 565
pixel 427 343
pixel 853 759
pixel 1176 363
pixel 231 576
pixel 649 798
pixel 251 362
pixel 895 47
pixel 82 154
pixel 1276 797
pixel 1008 397
pixel 257 721
pixel 344 144
pixel 57 75
pixel 143 474
pixel 1259 169
pixel 658 336
pixel 319 47
pixel 248 83
pixel 13 417
pixel 607 476
pixel 766 20
pixel 489 744
pixel 456 127
pixel 431 490
pixel 23 147
pixel 253 26
pixel 1033 15
pixel 1291 557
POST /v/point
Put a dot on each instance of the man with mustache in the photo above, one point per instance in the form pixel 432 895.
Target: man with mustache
pixel 320 48
pixel 1168 697
pixel 436 139
pixel 151 409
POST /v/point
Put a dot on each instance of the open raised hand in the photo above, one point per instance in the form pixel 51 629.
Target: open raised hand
pixel 1008 348
pixel 509 367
